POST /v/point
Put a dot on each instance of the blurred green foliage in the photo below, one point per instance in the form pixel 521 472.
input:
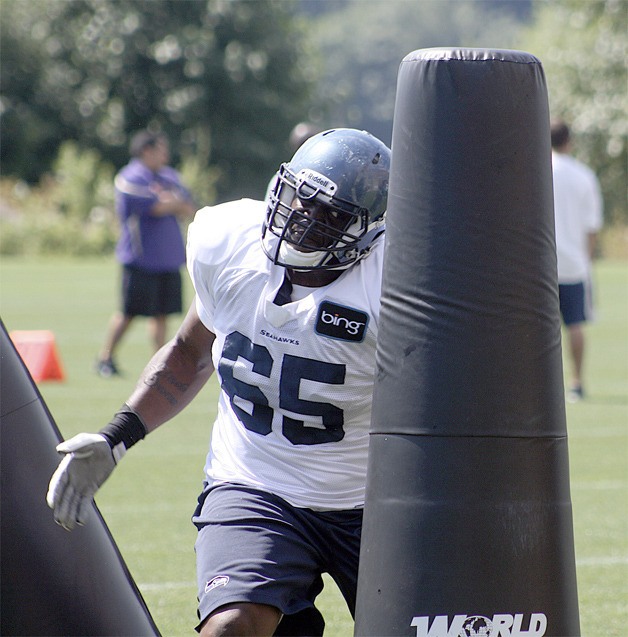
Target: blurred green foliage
pixel 83 183
pixel 582 45
pixel 69 212
pixel 365 42
pixel 227 80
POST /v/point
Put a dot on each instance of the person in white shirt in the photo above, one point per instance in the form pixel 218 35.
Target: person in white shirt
pixel 578 218
pixel 287 312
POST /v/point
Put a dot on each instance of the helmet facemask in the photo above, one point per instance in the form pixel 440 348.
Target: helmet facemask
pixel 320 232
pixel 327 206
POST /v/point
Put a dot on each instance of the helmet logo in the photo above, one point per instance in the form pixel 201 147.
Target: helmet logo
pixel 315 180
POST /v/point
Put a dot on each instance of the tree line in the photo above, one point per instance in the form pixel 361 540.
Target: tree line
pixel 228 79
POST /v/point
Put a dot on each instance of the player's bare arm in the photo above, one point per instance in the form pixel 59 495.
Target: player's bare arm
pixel 170 381
pixel 175 374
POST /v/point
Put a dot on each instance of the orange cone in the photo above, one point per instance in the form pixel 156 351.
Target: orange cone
pixel 39 353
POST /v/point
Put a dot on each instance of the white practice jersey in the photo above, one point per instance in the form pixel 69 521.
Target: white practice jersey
pixel 297 380
pixel 577 213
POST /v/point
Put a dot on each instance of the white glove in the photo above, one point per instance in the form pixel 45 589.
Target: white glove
pixel 88 462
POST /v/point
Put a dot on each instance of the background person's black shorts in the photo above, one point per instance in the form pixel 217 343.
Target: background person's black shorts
pixel 575 303
pixel 255 547
pixel 150 293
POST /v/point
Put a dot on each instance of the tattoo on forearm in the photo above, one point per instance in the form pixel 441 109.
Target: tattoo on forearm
pixel 162 380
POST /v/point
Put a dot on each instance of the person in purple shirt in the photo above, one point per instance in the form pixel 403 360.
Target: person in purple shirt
pixel 150 202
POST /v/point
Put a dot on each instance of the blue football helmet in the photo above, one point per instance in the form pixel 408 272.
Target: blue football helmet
pixel 326 207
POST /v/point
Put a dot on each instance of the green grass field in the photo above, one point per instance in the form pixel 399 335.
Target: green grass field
pixel 148 501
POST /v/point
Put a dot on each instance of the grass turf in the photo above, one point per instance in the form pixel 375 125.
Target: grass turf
pixel 148 501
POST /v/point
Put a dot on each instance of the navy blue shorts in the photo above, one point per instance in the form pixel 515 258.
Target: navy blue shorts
pixel 150 293
pixel 253 546
pixel 575 302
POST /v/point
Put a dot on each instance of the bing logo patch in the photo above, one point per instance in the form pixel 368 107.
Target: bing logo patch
pixel 340 322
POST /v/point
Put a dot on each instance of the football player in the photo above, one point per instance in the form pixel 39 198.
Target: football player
pixel 286 312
